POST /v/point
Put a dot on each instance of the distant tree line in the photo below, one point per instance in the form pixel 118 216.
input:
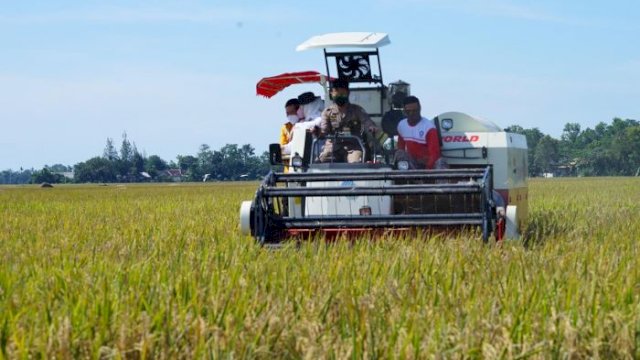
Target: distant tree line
pixel 607 149
pixel 231 162
pixel 23 176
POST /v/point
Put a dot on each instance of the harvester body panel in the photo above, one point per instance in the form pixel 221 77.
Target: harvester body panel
pixel 473 141
pixel 347 205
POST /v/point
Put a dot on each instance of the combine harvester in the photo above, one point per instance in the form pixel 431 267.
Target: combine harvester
pixel 484 186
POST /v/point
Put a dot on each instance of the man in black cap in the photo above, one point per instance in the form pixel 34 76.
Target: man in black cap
pixel 342 116
pixel 311 106
pixel 307 98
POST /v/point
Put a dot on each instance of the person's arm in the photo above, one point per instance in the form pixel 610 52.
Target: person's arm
pixel 433 148
pixel 400 145
pixel 325 123
pixel 366 121
pixel 400 142
pixel 284 135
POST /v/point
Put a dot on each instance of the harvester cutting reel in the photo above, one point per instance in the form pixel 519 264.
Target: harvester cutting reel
pixel 375 199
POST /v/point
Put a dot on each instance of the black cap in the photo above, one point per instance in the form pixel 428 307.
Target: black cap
pixel 307 98
pixel 293 102
pixel 340 84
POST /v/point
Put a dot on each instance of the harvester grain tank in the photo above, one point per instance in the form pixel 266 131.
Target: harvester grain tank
pixel 484 184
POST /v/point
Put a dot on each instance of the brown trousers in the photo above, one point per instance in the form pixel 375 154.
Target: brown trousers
pixel 348 151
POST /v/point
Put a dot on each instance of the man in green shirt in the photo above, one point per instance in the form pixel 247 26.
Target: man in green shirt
pixel 343 117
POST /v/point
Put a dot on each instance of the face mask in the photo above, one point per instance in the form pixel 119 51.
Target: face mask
pixel 341 100
pixel 292 118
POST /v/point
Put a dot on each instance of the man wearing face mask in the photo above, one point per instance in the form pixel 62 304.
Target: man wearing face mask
pixel 308 114
pixel 342 116
pixel 291 110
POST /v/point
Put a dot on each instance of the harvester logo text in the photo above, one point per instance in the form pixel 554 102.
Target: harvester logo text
pixel 472 138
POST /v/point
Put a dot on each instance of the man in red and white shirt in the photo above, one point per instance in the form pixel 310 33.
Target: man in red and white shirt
pixel 418 141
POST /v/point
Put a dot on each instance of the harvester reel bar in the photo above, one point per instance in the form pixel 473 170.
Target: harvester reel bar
pixel 488 216
pixel 334 191
pixel 448 174
pixel 381 221
pixel 264 214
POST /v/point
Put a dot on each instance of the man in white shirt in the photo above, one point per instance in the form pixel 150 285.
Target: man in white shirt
pixel 418 141
pixel 311 107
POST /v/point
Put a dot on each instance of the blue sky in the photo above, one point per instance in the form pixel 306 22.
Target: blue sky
pixel 177 74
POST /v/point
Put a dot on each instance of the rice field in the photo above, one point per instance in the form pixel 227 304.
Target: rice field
pixel 160 271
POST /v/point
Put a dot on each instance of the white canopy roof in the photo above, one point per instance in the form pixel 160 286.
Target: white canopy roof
pixel 346 39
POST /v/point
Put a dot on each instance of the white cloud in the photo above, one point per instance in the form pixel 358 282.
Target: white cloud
pixel 490 8
pixel 236 15
pixel 630 67
pixel 511 10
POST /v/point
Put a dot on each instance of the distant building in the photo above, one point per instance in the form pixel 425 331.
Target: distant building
pixel 175 174
pixel 67 174
pixel 568 168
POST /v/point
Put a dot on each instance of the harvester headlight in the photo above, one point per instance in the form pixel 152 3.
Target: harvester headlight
pixel 447 124
pixel 296 160
pixel 403 165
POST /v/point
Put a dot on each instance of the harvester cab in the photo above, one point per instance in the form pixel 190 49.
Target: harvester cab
pixel 483 185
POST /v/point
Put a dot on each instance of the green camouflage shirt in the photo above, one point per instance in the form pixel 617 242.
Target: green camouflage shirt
pixel 353 119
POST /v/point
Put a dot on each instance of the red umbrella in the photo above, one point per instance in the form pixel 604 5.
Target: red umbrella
pixel 272 85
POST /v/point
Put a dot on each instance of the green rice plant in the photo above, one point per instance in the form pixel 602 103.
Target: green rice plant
pixel 160 271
